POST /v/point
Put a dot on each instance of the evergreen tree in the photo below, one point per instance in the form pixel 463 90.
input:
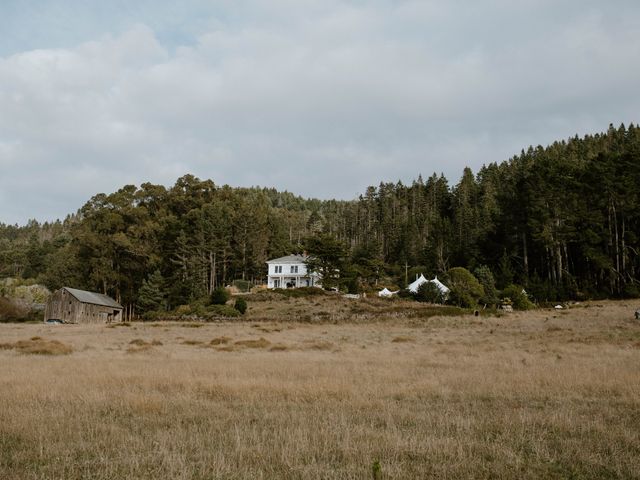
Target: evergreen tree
pixel 151 293
pixel 327 258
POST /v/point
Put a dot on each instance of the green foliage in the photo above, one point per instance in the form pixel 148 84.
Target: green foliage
pixel 214 311
pixel 240 305
pixel 465 288
pixel 153 315
pixel 519 299
pixel 220 296
pixel 326 257
pixel 367 263
pixel 404 293
pixel 414 272
pixel 430 293
pixel 353 286
pixel 301 292
pixel 631 290
pixel 183 310
pixel 198 310
pixel 25 290
pixel 150 295
pixel 376 470
pixel 561 220
pixel 505 276
pixel 485 277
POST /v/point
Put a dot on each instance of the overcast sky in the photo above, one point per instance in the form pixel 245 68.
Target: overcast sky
pixel 318 97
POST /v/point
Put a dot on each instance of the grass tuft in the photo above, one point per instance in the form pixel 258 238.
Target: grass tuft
pixel 403 339
pixel 279 347
pixel 119 324
pixel 38 346
pixel 319 345
pixel 260 343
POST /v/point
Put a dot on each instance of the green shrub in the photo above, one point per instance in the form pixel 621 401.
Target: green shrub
pixel 221 311
pixel 631 290
pixel 183 310
pixel 465 288
pixel 429 292
pixel 518 297
pixel 404 293
pixel 220 296
pixel 152 315
pixel 300 292
pixel 240 305
pixel 352 285
pixel 486 279
pixel 198 309
pixel 150 294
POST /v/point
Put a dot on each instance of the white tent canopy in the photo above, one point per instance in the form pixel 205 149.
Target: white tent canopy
pixel 385 292
pixel 444 290
pixel 413 287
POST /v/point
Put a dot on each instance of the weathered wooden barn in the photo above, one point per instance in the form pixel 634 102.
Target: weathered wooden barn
pixel 70 305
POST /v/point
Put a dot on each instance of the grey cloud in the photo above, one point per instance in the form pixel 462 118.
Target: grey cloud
pixel 344 93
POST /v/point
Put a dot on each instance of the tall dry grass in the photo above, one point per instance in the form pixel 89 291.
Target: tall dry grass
pixel 536 395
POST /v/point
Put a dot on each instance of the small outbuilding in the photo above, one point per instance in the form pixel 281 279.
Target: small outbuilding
pixel 70 305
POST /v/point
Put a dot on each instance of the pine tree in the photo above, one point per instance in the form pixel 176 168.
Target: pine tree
pixel 150 295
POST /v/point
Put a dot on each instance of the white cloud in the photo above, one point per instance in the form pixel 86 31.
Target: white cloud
pixel 348 94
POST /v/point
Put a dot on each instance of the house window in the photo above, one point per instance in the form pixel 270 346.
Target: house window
pixel 278 268
pixel 294 269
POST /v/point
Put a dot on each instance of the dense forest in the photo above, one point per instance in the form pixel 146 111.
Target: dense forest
pixel 562 221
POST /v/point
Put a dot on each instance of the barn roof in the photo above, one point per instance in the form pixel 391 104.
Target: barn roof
pixel 93 298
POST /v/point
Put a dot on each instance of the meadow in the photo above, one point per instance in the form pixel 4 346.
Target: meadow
pixel 326 388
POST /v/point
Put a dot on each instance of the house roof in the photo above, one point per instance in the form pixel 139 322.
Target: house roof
pixel 93 298
pixel 290 259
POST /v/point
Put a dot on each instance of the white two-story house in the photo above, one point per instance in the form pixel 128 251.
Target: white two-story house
pixel 290 272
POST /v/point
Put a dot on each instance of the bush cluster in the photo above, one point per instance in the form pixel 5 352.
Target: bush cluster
pixel 220 296
pixel 240 305
pixel 518 297
pixel 466 291
pixel 429 293
pixel 300 292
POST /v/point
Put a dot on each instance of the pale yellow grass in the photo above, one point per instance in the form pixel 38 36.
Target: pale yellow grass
pixel 542 394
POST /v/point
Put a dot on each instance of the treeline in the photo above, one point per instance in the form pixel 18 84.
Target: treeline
pixel 562 221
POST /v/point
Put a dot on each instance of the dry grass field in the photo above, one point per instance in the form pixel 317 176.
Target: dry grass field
pixel 292 392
